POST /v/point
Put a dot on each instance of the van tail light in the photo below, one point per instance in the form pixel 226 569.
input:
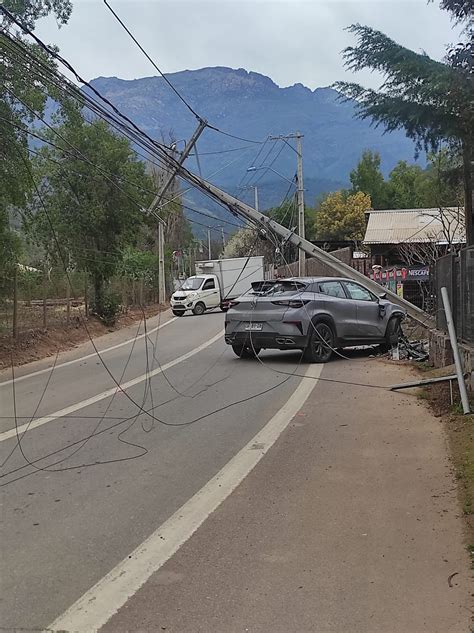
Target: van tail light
pixel 291 303
pixel 231 304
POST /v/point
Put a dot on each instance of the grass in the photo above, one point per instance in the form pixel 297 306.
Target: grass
pixel 460 435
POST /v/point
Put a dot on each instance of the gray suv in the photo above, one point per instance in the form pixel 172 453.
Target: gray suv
pixel 316 315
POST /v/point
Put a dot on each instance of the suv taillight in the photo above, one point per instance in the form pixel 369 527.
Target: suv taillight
pixel 291 303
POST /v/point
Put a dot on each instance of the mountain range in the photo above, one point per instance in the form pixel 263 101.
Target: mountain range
pixel 251 106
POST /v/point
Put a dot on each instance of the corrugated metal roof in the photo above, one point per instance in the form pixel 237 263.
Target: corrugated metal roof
pixel 394 226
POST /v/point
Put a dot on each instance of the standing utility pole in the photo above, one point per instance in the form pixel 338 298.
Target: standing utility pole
pixel 300 194
pixel 223 237
pixel 256 198
pixel 209 241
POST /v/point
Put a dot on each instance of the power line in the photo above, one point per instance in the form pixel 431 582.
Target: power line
pixel 137 186
pixel 153 147
pixel 125 27
pixel 239 138
pixel 84 158
pixel 173 88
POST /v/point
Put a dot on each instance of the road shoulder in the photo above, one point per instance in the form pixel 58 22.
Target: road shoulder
pixel 75 347
pixel 350 522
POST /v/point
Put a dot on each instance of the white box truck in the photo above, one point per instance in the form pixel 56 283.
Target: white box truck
pixel 216 283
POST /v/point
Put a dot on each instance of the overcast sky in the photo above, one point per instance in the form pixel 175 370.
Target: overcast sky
pixel 291 41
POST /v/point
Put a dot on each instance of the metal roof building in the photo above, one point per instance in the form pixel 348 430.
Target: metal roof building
pixel 395 226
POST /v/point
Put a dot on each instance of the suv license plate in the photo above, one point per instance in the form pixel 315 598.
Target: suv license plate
pixel 252 327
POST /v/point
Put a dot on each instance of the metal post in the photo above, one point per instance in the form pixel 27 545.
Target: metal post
pixel 454 345
pixel 161 264
pixel 256 197
pixel 300 194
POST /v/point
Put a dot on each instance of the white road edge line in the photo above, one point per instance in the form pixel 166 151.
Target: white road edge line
pixel 78 360
pixel 57 415
pixel 107 596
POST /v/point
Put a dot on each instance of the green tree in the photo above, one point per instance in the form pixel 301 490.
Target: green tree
pixel 92 215
pixel 405 186
pixel 245 242
pixel 341 216
pixel 29 11
pixel 21 91
pixel 178 232
pixel 368 178
pixel 441 184
pixel 432 101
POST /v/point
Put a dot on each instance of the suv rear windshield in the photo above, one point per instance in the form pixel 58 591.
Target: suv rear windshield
pixel 286 287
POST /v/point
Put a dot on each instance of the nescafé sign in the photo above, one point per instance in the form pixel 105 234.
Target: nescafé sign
pixel 420 273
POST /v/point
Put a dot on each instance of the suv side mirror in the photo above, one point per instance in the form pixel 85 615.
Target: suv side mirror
pixel 383 295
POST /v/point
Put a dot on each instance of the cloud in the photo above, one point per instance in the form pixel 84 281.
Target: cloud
pixel 291 41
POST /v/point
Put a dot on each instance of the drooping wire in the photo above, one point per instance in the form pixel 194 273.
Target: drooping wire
pixel 173 88
pixel 125 27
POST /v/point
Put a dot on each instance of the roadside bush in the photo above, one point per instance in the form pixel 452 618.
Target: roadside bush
pixel 108 309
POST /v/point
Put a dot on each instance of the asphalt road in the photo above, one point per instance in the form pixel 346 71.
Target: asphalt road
pixel 215 494
pixel 82 490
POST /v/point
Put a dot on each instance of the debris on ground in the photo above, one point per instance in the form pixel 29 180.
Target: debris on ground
pixel 410 350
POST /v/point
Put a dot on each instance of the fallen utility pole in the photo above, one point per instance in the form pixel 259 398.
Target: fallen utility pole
pixel 267 225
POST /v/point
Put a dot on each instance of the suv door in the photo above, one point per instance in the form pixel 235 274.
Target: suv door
pixel 340 307
pixel 370 325
pixel 210 293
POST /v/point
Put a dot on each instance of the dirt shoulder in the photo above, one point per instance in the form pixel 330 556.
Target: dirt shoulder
pixel 459 430
pixel 38 343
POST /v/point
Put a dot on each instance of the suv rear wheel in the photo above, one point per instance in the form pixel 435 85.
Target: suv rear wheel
pixel 321 343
